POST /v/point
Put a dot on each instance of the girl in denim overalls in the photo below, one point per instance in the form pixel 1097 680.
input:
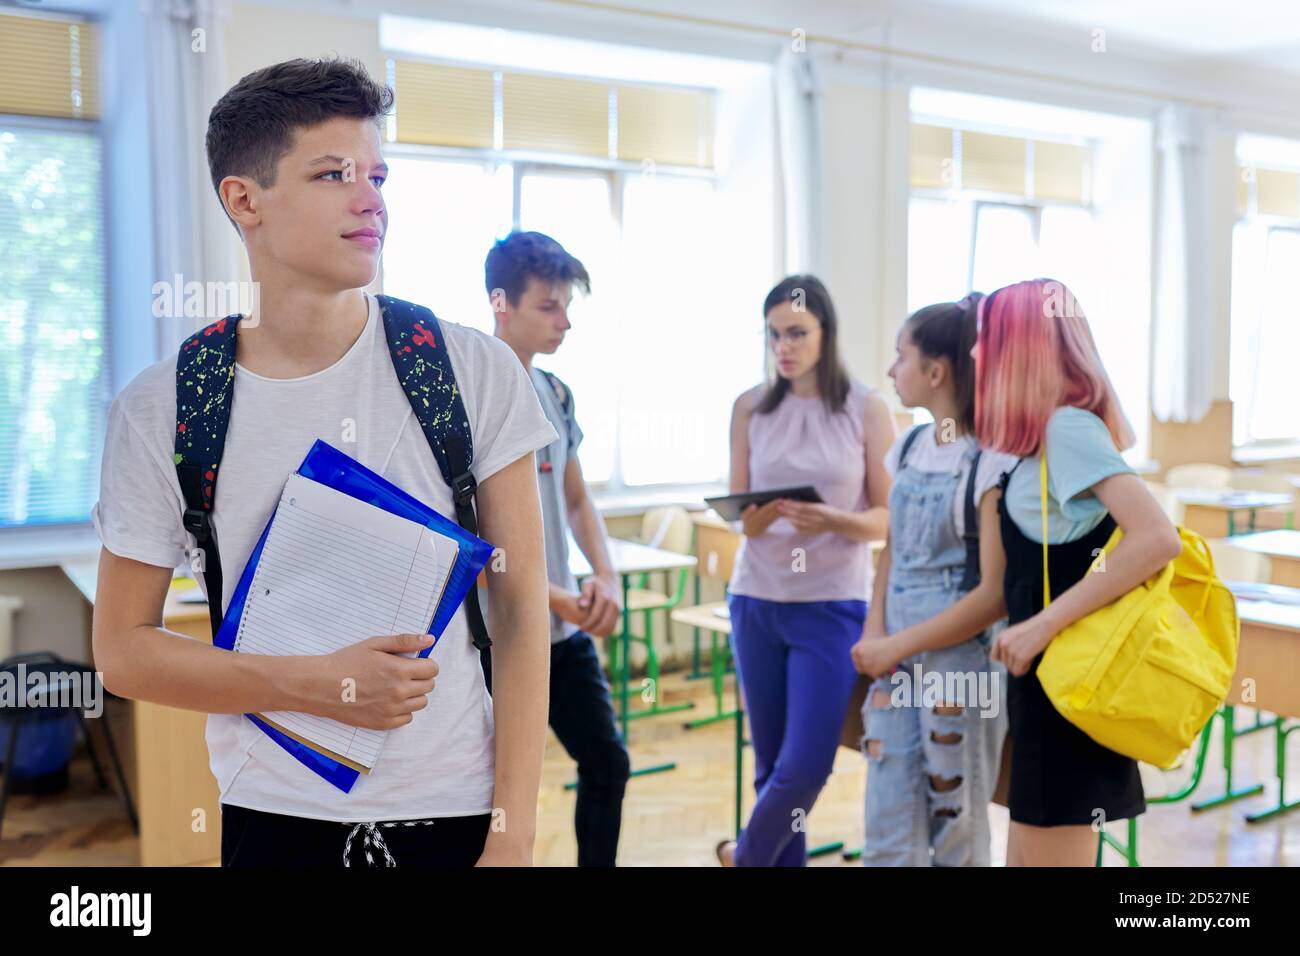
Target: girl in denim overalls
pixel 934 716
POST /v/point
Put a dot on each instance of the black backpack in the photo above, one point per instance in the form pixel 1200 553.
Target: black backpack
pixel 205 379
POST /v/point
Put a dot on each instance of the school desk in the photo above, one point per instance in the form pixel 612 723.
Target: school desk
pixel 1282 549
pixel 167 763
pixel 705 617
pixel 1268 665
pixel 629 558
pixel 1216 513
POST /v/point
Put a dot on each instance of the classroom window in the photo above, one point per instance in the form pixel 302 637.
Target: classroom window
pixel 642 345
pixel 988 208
pixel 1265 333
pixel 621 174
pixel 1265 336
pixel 53 362
pixel 443 218
pixel 958 245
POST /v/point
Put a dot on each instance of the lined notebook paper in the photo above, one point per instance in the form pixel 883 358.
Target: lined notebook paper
pixel 334 571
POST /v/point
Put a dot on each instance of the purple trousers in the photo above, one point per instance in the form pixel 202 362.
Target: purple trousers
pixel 793 663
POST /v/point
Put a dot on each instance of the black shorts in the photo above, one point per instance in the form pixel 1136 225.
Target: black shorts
pixel 253 838
pixel 1059 775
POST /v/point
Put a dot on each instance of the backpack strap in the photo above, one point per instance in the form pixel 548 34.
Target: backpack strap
pixel 562 393
pixel 424 371
pixel 970 530
pixel 908 442
pixel 205 390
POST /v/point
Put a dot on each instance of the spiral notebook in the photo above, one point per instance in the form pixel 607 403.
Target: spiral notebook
pixel 333 571
pixel 346 555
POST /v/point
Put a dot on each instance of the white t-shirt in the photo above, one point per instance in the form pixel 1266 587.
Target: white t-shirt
pixel 442 763
pixel 928 456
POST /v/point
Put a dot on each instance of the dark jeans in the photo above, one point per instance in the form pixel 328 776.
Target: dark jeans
pixel 253 838
pixel 582 716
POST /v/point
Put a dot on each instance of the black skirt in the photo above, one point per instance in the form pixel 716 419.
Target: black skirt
pixel 1059 775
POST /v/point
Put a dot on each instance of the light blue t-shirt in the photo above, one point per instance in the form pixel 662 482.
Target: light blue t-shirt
pixel 1080 453
pixel 557 403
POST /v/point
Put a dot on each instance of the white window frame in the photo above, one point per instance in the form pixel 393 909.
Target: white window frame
pixel 1268 448
pixel 617 173
pixel 22 538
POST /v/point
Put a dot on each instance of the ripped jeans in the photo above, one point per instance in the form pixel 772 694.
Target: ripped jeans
pixel 933 743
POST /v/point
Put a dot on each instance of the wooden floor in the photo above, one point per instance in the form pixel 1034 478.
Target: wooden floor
pixel 675 818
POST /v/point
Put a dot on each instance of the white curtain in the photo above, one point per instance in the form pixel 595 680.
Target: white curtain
pixel 187 75
pixel 1181 382
pixel 799 119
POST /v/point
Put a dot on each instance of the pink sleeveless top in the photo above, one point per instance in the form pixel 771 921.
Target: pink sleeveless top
pixel 801 443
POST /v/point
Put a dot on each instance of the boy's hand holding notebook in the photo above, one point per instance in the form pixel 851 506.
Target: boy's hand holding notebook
pixel 334 571
pixel 381 683
pixel 350 566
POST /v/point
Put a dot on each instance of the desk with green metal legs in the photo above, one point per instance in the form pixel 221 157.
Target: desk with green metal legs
pixel 1217 512
pixel 714 619
pixel 707 618
pixel 629 559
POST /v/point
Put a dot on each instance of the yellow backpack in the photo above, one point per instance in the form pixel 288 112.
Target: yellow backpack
pixel 1143 674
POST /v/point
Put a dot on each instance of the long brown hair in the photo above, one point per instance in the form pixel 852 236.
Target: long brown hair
pixel 808 293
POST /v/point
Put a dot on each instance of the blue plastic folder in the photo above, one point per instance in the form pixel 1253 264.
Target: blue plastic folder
pixel 329 466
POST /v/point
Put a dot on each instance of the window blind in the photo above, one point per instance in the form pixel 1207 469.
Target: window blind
pixel 49 66
pixel 946 157
pixel 457 106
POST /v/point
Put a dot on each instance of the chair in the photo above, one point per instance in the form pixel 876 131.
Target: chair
pixel 668 529
pixel 716 546
pixel 60 676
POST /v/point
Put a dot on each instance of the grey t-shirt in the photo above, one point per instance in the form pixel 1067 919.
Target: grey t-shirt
pixel 557 403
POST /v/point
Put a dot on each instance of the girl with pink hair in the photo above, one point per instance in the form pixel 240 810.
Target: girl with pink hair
pixel 1040 388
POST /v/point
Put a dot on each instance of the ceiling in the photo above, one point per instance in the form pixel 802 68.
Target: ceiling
pixel 1199 27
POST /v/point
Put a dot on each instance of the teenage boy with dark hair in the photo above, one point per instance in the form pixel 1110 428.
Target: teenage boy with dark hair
pixel 530 279
pixel 294 151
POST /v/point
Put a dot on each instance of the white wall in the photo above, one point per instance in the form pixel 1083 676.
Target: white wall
pixel 864 105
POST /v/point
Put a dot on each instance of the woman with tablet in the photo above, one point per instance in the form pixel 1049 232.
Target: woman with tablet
pixel 798 595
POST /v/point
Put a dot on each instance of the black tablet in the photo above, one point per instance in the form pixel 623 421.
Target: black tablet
pixel 730 506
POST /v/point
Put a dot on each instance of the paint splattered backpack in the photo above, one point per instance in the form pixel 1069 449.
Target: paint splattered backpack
pixel 205 387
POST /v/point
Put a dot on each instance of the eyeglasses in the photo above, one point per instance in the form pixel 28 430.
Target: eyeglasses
pixel 795 336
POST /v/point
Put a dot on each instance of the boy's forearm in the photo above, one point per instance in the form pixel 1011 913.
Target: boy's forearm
pixel 163 667
pixel 520 690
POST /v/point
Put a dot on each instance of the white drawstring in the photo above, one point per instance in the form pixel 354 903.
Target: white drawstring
pixel 373 838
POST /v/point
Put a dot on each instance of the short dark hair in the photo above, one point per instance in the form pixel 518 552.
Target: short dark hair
pixel 519 255
pixel 252 125
pixel 947 330
pixel 808 293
